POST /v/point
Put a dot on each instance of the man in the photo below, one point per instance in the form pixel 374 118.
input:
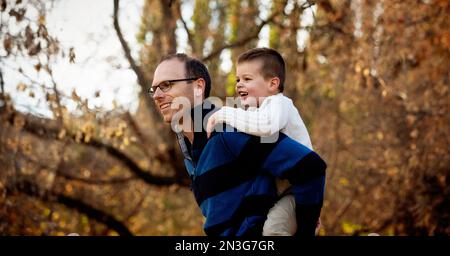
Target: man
pixel 232 172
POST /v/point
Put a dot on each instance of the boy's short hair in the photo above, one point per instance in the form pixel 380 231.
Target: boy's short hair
pixel 273 63
pixel 194 68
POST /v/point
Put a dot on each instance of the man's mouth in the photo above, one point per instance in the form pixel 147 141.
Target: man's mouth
pixel 164 105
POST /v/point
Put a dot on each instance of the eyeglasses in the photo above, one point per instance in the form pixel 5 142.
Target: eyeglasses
pixel 165 86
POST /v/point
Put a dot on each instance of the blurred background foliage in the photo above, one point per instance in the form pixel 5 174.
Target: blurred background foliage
pixel 371 82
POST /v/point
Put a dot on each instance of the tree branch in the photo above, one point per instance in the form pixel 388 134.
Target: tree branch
pixel 112 181
pixel 188 32
pixel 110 221
pixel 134 168
pixel 60 173
pixel 139 73
pixel 57 96
pixel 40 127
pixel 2 86
pixel 142 80
pixel 244 40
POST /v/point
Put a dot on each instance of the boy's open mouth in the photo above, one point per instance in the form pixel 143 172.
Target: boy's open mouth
pixel 243 94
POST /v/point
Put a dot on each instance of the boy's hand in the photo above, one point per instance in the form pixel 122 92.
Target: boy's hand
pixel 210 125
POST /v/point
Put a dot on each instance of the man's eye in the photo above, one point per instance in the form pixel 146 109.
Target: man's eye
pixel 164 85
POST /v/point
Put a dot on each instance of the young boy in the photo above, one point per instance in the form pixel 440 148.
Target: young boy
pixel 260 82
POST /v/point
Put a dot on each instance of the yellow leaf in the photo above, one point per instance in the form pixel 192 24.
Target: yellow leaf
pixel 358 68
pixel 414 134
pixel 380 135
pixel 392 171
pixel 118 133
pixel 21 87
pixel 47 212
pixel 69 188
pixel 350 228
pixel 87 138
pixel 75 96
pixel 410 119
pixel 366 72
pixel 55 216
pixel 62 134
pixel 41 19
pixel 343 181
pixel 112 233
pixel 78 136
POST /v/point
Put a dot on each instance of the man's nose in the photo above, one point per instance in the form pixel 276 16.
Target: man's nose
pixel 158 94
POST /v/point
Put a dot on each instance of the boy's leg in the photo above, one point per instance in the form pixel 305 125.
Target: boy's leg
pixel 281 219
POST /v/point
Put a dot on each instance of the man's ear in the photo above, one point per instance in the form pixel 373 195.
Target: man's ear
pixel 274 84
pixel 199 87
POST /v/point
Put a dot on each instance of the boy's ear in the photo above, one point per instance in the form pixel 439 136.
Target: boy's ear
pixel 274 84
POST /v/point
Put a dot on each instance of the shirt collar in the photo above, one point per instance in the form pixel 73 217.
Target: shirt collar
pixel 198 113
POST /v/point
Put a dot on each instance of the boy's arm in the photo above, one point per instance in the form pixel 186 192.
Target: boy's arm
pixel 270 118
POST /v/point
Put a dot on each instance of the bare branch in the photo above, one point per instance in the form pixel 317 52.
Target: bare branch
pixel 58 99
pixel 112 181
pixel 110 221
pixel 170 27
pixel 188 32
pixel 244 40
pixel 142 139
pixel 2 86
pixel 60 173
pixel 40 127
pixel 134 168
pixel 137 69
pixel 136 209
pixel 142 80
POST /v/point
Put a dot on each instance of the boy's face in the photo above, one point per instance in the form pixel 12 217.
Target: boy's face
pixel 251 86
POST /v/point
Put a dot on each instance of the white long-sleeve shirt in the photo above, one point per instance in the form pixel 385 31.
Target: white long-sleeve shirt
pixel 276 113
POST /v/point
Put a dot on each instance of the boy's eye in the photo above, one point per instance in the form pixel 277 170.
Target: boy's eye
pixel 238 80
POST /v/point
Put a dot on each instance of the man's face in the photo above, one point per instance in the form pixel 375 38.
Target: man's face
pixel 251 85
pixel 171 70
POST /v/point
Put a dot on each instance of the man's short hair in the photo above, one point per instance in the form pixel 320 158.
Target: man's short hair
pixel 194 68
pixel 272 63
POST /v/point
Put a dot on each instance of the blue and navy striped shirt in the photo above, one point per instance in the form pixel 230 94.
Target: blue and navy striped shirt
pixel 233 179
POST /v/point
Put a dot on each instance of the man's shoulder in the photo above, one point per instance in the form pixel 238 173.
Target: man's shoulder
pixel 235 141
pixel 231 138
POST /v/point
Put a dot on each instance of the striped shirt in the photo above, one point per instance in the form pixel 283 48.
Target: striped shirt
pixel 233 179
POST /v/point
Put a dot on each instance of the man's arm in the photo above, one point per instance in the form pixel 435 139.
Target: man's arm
pixel 305 170
pixel 290 160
